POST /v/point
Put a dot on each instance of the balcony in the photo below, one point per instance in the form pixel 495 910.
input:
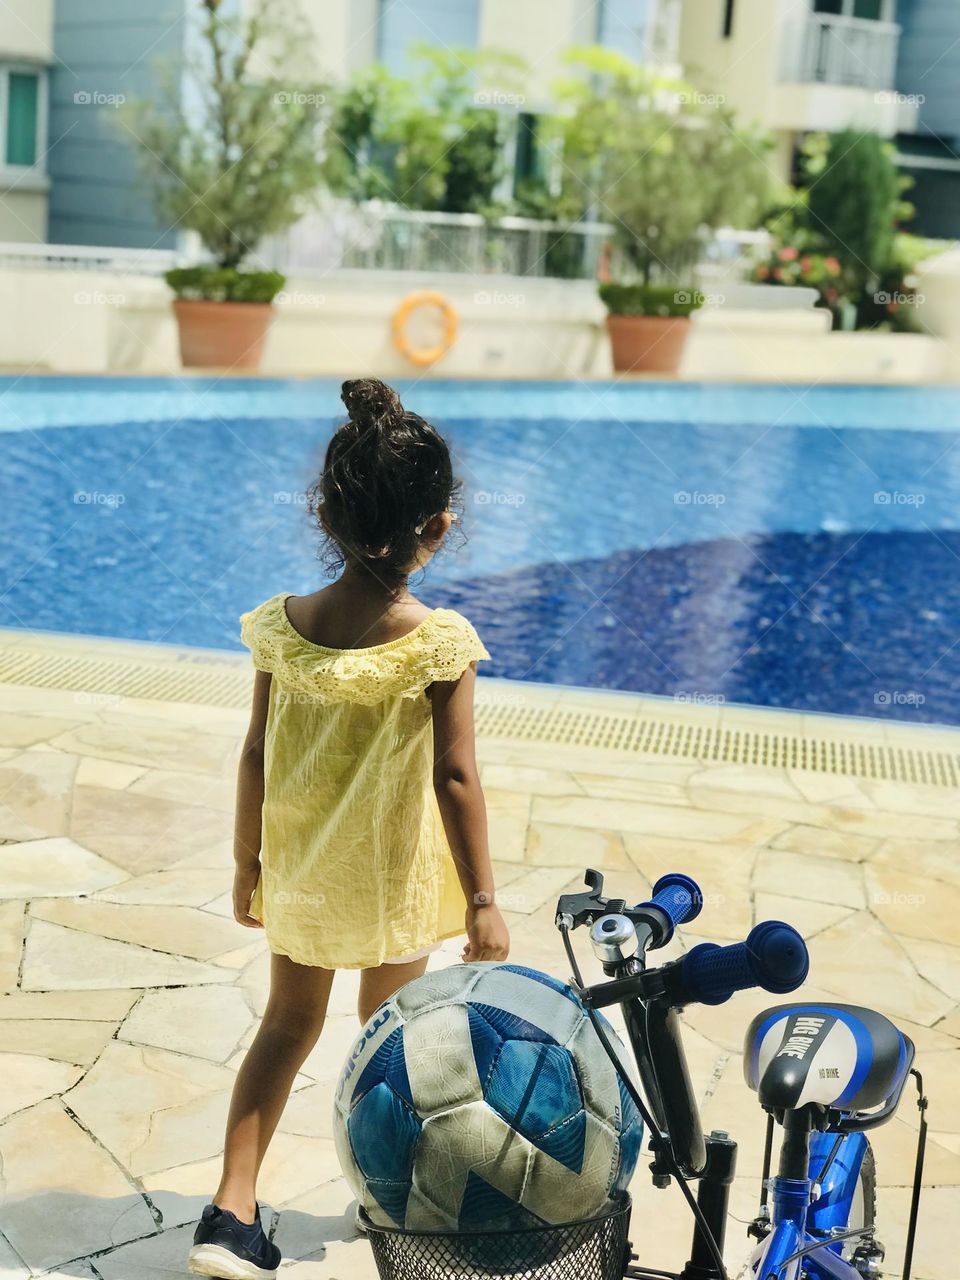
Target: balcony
pixel 838 72
pixel 825 48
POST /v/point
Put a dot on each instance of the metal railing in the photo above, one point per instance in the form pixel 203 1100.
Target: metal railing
pixel 383 237
pixel 83 257
pixel 824 48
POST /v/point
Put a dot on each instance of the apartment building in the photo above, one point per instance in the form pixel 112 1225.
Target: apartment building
pixel 26 54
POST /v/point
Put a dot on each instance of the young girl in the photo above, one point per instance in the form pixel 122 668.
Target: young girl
pixel 363 696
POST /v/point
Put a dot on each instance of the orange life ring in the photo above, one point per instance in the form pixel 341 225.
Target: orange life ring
pixel 412 302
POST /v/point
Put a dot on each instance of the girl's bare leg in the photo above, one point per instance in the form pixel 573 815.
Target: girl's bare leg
pixel 376 985
pixel 290 1028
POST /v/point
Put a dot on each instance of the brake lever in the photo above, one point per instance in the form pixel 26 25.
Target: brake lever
pixel 575 909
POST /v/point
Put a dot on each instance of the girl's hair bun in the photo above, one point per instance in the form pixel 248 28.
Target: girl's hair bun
pixel 370 402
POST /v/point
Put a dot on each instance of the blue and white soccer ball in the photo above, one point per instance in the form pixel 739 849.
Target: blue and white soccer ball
pixel 480 1098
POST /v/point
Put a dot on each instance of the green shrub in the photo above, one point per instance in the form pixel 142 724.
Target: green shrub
pixel 224 284
pixel 649 299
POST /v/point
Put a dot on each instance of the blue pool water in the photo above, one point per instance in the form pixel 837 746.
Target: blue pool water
pixel 770 545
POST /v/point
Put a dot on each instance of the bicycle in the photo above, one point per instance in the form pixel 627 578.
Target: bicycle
pixel 826 1073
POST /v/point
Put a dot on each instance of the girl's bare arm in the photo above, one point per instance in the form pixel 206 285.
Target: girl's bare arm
pixel 249 810
pixel 456 782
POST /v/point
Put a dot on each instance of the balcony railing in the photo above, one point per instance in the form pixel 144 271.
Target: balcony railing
pixel 383 237
pixel 829 49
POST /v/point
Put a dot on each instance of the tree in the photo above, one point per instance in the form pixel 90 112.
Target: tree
pixel 854 203
pixel 660 160
pixel 235 147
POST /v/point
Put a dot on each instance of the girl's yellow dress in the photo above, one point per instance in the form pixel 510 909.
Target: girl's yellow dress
pixel 355 866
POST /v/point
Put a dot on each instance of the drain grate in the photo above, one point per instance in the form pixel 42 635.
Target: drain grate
pixel 212 681
pixel 717 745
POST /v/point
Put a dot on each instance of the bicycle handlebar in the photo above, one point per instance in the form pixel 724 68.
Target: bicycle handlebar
pixel 678 896
pixel 773 957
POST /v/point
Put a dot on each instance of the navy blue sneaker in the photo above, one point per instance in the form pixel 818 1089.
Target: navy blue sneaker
pixel 233 1250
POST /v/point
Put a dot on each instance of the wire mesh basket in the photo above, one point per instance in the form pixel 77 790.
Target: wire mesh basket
pixel 594 1249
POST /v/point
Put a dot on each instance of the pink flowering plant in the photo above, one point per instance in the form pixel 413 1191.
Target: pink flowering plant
pixel 789 264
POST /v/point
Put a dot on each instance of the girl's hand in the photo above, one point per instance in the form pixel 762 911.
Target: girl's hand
pixel 245 879
pixel 487 935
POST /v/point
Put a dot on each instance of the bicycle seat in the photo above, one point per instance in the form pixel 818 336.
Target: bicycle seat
pixel 837 1055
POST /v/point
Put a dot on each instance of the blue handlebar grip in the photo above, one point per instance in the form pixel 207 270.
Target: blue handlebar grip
pixel 774 957
pixel 679 897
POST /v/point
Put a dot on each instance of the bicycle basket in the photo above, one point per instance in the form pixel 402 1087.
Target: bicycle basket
pixel 594 1249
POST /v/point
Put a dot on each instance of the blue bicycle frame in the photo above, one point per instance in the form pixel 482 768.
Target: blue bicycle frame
pixel 799 1221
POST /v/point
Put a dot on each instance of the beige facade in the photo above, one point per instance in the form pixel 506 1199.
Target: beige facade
pixel 26 51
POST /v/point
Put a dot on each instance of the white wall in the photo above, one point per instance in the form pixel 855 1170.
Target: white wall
pixel 26 30
pixel 92 322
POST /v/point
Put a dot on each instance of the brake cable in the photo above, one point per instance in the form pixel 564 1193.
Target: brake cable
pixel 660 1144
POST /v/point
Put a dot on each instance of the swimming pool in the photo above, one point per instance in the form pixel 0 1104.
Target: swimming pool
pixel 780 546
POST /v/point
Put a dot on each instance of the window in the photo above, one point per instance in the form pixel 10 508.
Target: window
pixel 22 111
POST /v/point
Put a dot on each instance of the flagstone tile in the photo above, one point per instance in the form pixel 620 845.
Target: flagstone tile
pixel 936 961
pixel 160 1256
pixel 12 1266
pixel 152 1108
pixel 919 908
pixel 175 887
pixel 134 740
pixel 12 928
pixel 859 961
pixel 61 1039
pixel 208 1022
pixel 21 729
pixel 55 867
pixel 656 790
pixel 94 772
pixel 808 918
pixel 907 797
pixel 184 931
pixel 507 836
pixel 938 860
pixel 142 833
pixel 654 820
pixel 821 843
pixel 188 788
pixel 549 845
pixel 801 876
pixel 721 871
pixel 84 1006
pixel 309 1112
pixel 530 780
pixel 26 1079
pixel 35 790
pixel 218 856
pixel 830 788
pixel 58 958
pixel 64 1195
pixel 292 1166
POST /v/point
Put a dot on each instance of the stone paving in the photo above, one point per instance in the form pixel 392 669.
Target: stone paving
pixel 129 993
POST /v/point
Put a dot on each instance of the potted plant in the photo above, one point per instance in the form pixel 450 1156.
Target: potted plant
pixel 666 164
pixel 648 325
pixel 234 149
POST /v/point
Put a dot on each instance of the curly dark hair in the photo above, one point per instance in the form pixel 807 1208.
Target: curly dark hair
pixel 386 472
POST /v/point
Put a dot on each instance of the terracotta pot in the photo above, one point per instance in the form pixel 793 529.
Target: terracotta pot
pixel 222 335
pixel 647 344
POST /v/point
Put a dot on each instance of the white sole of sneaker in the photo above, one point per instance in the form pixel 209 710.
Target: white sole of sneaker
pixel 213 1260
